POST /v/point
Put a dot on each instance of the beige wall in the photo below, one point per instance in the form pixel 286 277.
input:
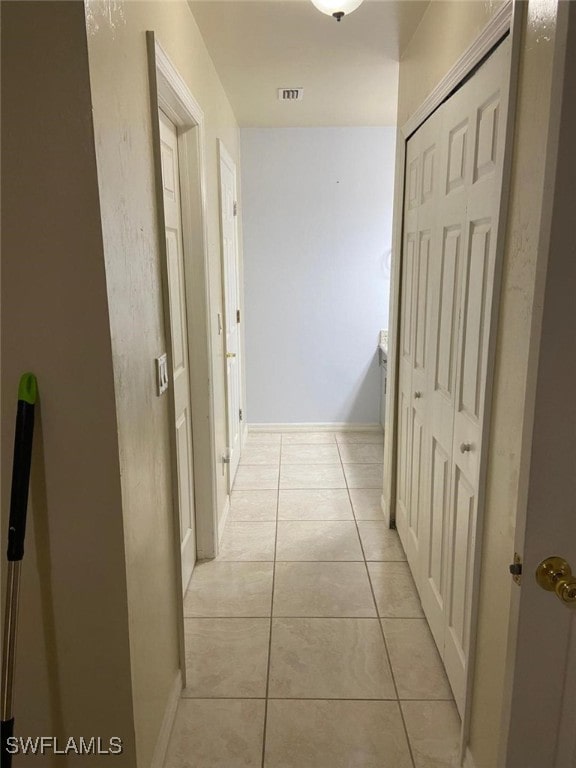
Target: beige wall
pixel 73 653
pixel 446 31
pixel 514 380
pixel 120 93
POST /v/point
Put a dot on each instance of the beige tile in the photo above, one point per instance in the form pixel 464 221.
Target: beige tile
pixel 364 475
pixel 260 454
pixel 312 476
pixel 227 658
pixel 417 666
pixel 362 453
pixel 317 540
pixel 379 541
pixel 335 734
pixel 329 659
pixel 229 589
pixel 217 734
pixel 304 438
pixel 264 438
pixel 394 590
pixel 350 438
pixel 434 732
pixel 315 504
pixel 253 506
pixel 322 589
pixel 310 454
pixel 258 478
pixel 248 541
pixel 366 503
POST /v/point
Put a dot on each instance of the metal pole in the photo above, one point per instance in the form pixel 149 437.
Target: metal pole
pixel 10 626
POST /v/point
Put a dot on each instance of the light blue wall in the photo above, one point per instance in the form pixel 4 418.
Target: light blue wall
pixel 317 218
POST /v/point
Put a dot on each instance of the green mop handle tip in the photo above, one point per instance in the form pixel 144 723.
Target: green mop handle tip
pixel 28 388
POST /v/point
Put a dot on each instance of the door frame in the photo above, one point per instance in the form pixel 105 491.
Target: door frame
pixel 505 21
pixel 225 157
pixel 169 92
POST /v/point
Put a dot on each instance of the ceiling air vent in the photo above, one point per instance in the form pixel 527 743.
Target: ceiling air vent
pixel 290 94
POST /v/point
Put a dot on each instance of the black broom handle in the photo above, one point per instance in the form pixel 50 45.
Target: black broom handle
pixel 27 393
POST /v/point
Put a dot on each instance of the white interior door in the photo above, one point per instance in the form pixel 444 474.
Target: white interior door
pixel 454 177
pixel 543 705
pixel 228 213
pixel 419 245
pixel 474 128
pixel 179 334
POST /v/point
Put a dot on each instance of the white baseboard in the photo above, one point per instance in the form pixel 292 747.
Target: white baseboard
pixel 223 519
pixel 468 760
pixel 385 510
pixel 167 722
pixel 340 426
pixel 244 435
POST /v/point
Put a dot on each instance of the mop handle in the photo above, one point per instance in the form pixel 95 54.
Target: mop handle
pixel 27 392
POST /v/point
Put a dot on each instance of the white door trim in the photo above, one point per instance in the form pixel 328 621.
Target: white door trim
pixel 505 20
pixel 176 100
pixel 169 92
pixel 496 28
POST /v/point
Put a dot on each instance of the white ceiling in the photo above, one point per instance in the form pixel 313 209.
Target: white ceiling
pixel 348 69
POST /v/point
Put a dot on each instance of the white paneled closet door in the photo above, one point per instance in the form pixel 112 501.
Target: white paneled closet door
pixel 453 189
pixel 420 247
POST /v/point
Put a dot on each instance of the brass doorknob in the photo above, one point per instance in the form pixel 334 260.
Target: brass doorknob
pixel 555 575
pixel 230 354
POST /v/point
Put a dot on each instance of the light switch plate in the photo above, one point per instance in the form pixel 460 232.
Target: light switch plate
pixel 161 374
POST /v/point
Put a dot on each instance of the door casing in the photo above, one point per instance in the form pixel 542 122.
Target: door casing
pixel 503 22
pixel 169 92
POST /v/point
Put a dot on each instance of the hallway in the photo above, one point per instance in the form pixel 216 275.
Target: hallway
pixel 306 646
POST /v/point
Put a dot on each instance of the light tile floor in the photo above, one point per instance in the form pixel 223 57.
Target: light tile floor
pixel 306 645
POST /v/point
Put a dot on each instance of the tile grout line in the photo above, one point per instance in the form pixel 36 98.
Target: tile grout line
pixel 308 463
pixel 379 621
pixel 290 616
pixel 303 698
pixel 271 607
pixel 323 561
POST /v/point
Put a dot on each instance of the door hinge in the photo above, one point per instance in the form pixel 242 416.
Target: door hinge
pixel 241 414
pixel 516 569
pixel 237 315
pixel 235 208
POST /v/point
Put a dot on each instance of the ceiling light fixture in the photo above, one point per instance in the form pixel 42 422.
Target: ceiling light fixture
pixel 336 8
